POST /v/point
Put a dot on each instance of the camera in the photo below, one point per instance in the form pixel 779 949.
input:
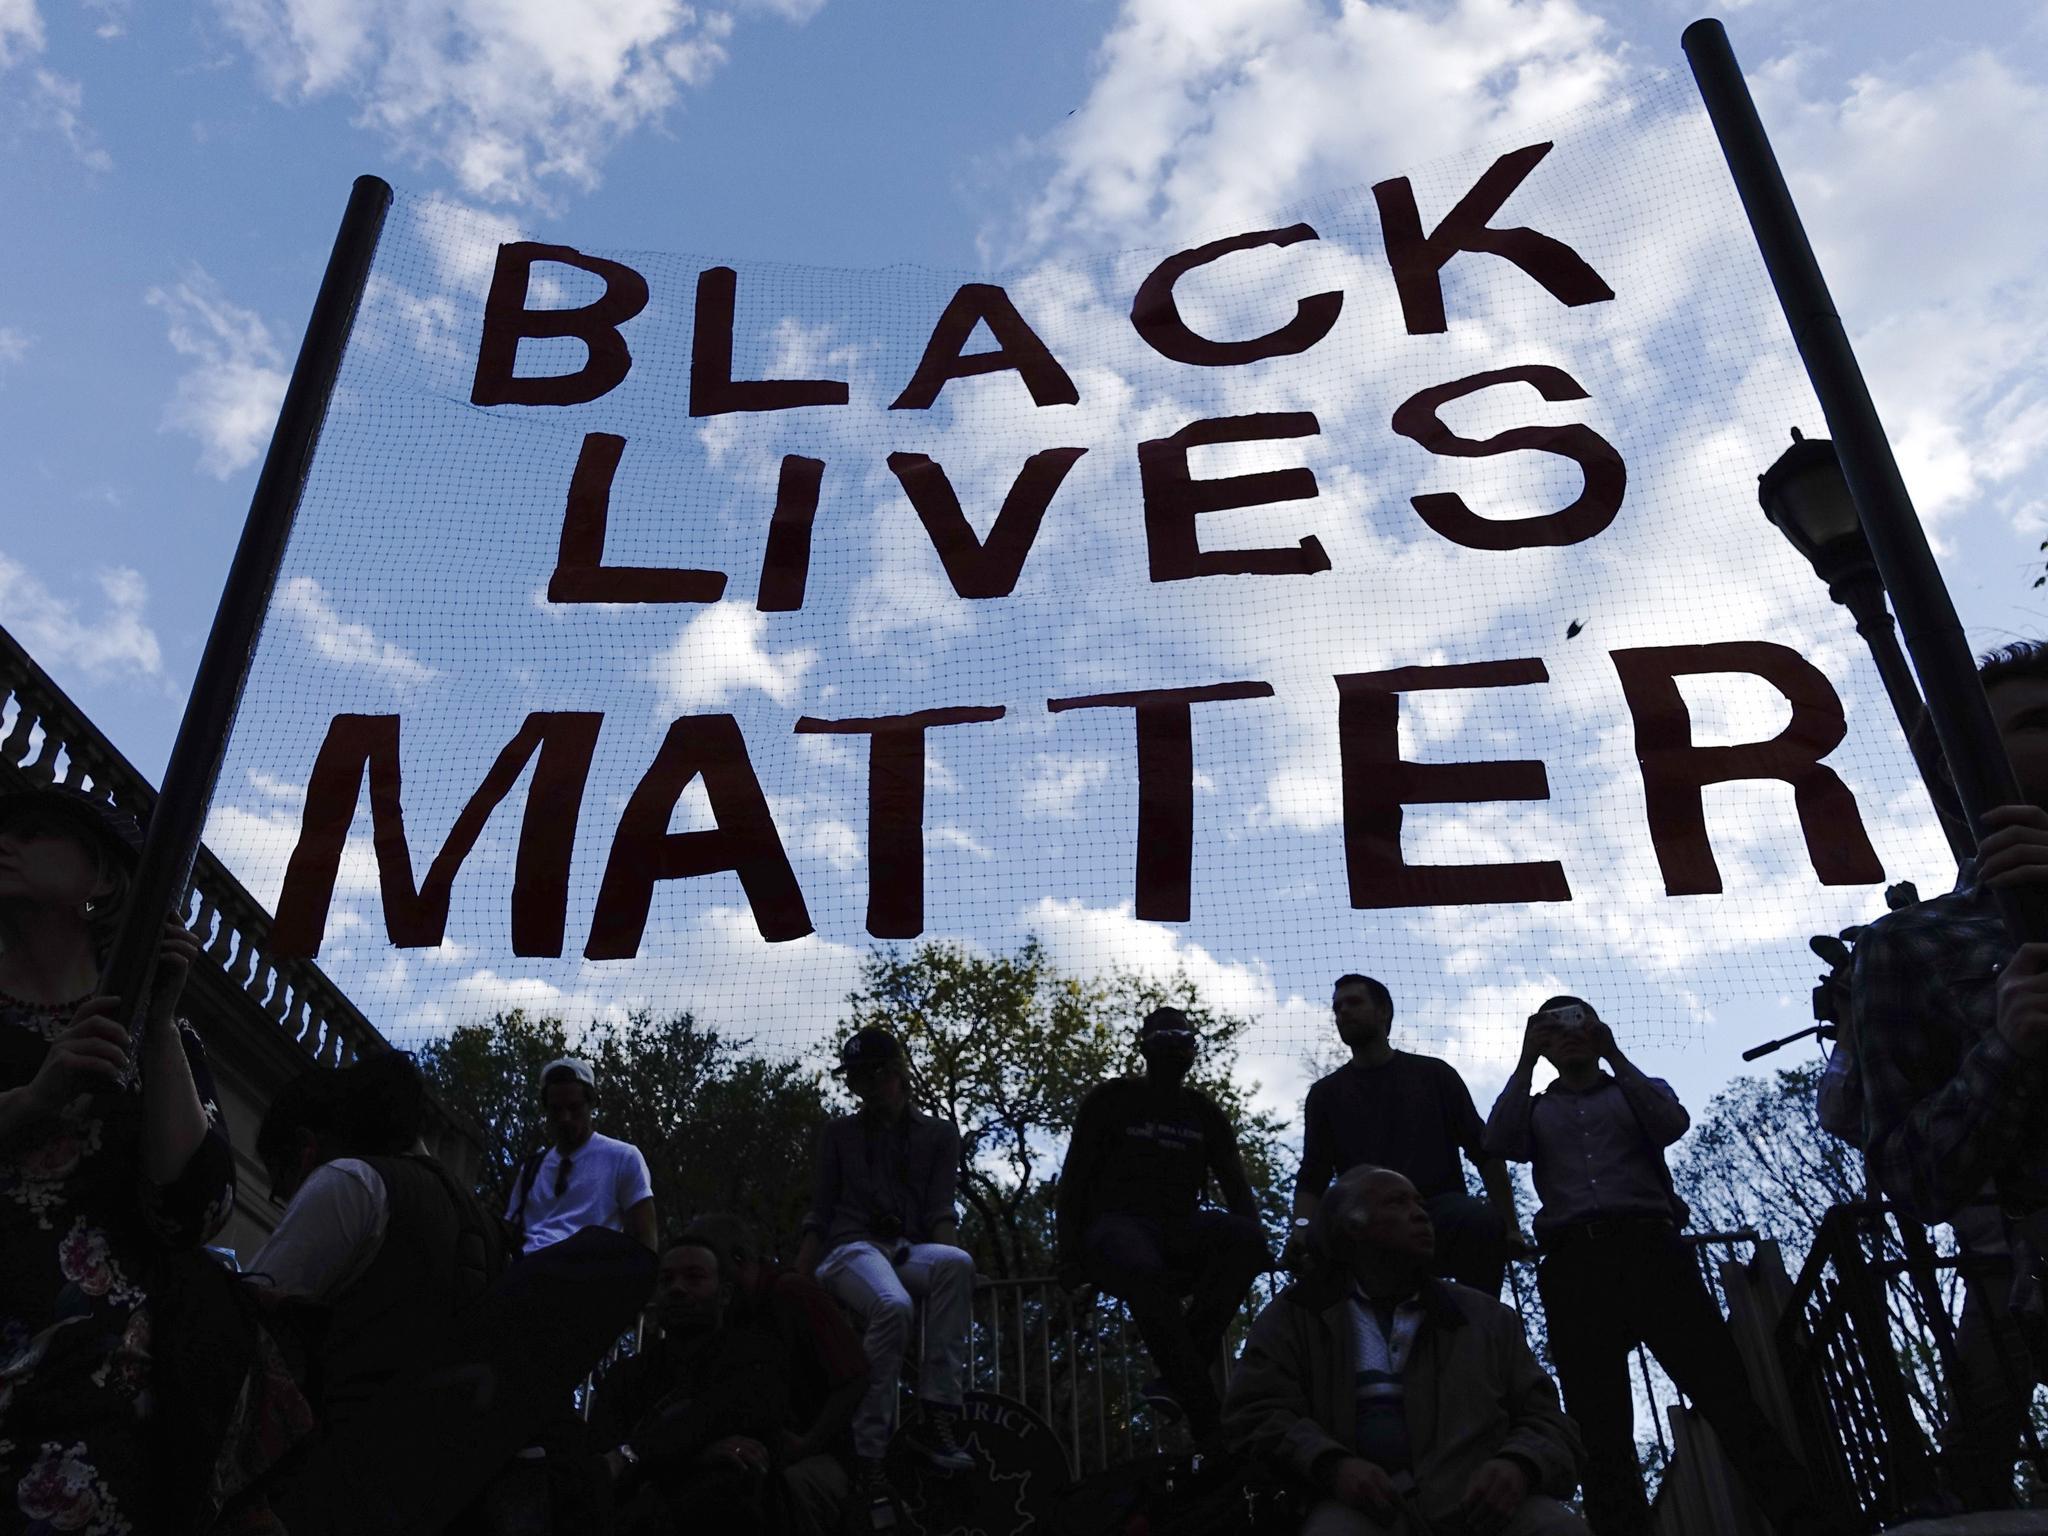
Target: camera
pixel 1571 1016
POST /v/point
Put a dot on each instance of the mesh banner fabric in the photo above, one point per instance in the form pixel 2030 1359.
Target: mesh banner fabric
pixel 708 624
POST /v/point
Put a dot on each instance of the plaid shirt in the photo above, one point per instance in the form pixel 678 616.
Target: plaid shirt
pixel 1948 1106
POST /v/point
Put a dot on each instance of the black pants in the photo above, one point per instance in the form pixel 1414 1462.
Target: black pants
pixel 1471 1241
pixel 1603 1296
pixel 1150 1262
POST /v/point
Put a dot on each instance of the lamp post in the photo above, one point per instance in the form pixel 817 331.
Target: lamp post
pixel 1806 498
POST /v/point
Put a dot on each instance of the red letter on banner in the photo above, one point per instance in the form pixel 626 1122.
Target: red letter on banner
pixel 786 563
pixel 1174 499
pixel 1418 259
pixel 419 920
pixel 1378 784
pixel 1447 514
pixel 507 320
pixel 745 840
pixel 1017 348
pixel 896 809
pixel 1675 771
pixel 1157 318
pixel 581 576
pixel 979 569
pixel 1166 786
pixel 713 390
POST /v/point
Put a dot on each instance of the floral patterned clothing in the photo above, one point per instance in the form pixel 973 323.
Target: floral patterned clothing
pixel 80 1228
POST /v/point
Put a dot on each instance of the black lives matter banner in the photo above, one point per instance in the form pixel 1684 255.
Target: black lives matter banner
pixel 1377 585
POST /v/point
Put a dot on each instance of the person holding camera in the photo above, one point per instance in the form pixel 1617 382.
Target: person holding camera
pixel 1614 1272
pixel 1131 1220
pixel 882 1230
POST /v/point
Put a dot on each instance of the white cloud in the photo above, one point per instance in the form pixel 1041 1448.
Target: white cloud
pixel 718 654
pixel 105 637
pixel 1058 783
pixel 58 104
pixel 229 398
pixel 1085 940
pixel 1204 111
pixel 1935 241
pixel 344 643
pixel 14 344
pixel 512 97
pixel 21 31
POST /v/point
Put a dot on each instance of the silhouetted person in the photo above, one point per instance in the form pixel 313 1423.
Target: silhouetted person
pixel 582 1178
pixel 1950 1023
pixel 377 1237
pixel 827 1372
pixel 112 1157
pixel 1408 1404
pixel 1412 1113
pixel 1615 1273
pixel 1131 1218
pixel 881 1231
pixel 689 1420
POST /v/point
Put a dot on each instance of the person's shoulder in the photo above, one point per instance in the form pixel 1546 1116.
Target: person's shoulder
pixel 340 1171
pixel 612 1146
pixel 1963 916
pixel 1451 1301
pixel 1432 1068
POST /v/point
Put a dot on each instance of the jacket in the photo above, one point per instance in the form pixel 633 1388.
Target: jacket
pixel 870 1174
pixel 1473 1391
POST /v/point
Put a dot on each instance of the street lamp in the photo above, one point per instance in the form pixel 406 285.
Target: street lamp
pixel 1807 499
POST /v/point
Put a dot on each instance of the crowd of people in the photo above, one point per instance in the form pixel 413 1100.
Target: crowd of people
pixel 394 1340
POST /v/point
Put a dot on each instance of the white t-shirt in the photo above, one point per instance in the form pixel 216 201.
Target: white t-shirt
pixel 329 1233
pixel 605 1179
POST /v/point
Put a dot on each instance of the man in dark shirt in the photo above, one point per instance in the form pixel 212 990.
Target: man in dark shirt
pixel 1615 1273
pixel 1130 1216
pixel 827 1377
pixel 691 1416
pixel 1411 1113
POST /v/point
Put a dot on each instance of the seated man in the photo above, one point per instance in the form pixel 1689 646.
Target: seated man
pixel 1130 1214
pixel 690 1417
pixel 828 1374
pixel 1396 1395
pixel 881 1230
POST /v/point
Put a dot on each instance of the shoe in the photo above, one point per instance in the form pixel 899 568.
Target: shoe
pixel 1160 1398
pixel 936 1442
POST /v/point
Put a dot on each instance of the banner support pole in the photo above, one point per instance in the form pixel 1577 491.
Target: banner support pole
pixel 1927 617
pixel 171 841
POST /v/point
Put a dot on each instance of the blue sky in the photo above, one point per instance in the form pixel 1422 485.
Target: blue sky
pixel 174 176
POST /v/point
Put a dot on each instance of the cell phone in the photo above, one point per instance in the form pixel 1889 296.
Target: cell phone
pixel 1571 1016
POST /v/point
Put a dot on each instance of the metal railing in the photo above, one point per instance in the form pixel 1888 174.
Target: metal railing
pixel 47 739
pixel 1868 1346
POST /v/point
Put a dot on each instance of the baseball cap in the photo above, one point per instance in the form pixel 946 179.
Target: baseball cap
pixel 872 1046
pixel 580 1069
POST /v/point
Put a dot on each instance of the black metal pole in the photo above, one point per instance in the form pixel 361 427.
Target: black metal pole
pixel 172 840
pixel 1934 637
pixel 1863 596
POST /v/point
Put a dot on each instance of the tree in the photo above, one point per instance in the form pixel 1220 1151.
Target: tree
pixel 1758 1158
pixel 721 1129
pixel 1006 1047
